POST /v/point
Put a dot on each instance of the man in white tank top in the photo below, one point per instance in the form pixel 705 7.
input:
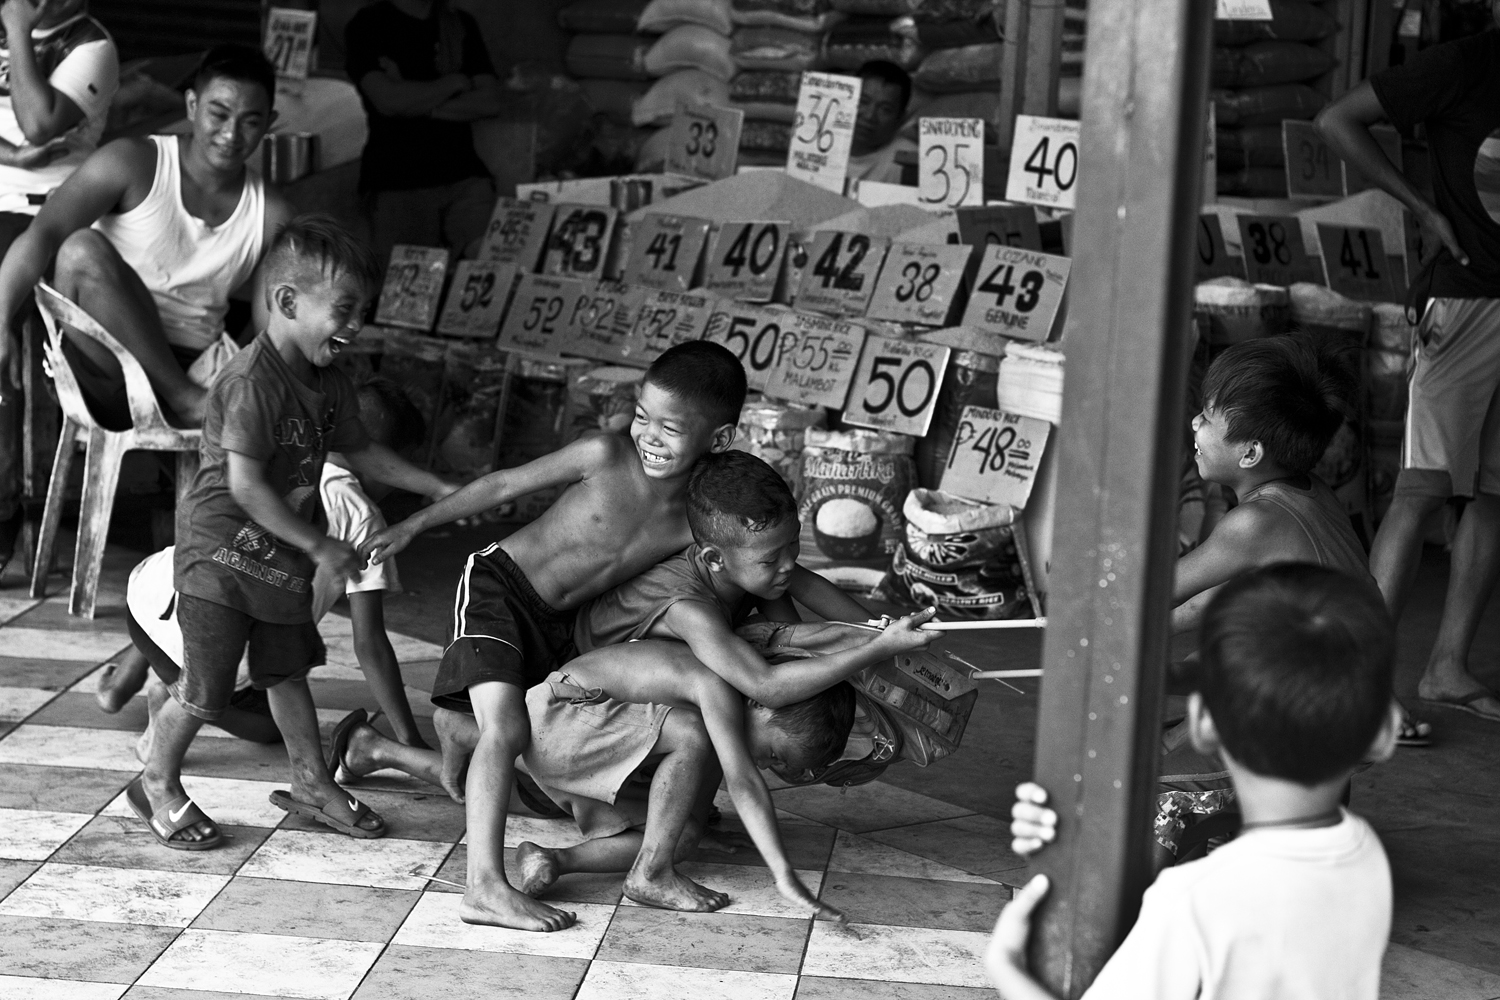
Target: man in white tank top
pixel 151 236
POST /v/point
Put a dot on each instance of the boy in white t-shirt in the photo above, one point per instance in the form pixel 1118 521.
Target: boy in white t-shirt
pixel 1295 693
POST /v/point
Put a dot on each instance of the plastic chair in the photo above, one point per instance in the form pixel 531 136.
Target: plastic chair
pixel 104 449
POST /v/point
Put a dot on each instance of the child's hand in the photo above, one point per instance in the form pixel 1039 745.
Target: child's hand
pixel 905 635
pixel 792 888
pixel 1032 824
pixel 1007 950
pixel 383 544
pixel 337 557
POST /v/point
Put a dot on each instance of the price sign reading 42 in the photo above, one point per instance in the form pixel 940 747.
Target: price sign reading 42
pixel 1274 254
pixel 918 283
pixel 824 129
pixel 896 385
pixel 842 276
pixel 1043 162
pixel 664 252
pixel 815 360
pixel 517 232
pixel 752 334
pixel 580 241
pixel 705 141
pixel 477 299
pixel 1019 292
pixel 537 321
pixel 995 456
pixel 288 41
pixel 746 260
pixel 1356 263
pixel 413 282
pixel 950 161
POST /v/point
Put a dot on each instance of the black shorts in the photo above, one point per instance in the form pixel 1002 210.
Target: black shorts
pixel 214 637
pixel 502 631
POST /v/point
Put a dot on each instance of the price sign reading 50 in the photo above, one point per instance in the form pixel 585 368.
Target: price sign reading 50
pixel 1043 162
pixel 896 385
pixel 751 334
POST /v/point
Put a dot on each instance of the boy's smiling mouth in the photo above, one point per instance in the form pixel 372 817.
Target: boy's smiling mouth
pixel 338 343
pixel 651 458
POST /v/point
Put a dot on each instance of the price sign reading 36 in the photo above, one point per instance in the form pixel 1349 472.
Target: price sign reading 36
pixel 896 385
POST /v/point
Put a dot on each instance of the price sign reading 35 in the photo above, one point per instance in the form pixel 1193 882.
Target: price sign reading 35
pixel 995 456
pixel 896 385
pixel 950 161
pixel 1019 292
pixel 476 300
pixel 1043 162
pixel 746 260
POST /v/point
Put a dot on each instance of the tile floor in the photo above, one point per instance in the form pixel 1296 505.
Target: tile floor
pixel 92 909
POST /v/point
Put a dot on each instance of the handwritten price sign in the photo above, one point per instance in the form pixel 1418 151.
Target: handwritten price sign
pixel 705 141
pixel 1019 292
pixel 918 283
pixel 950 157
pixel 666 319
pixel 995 456
pixel 826 108
pixel 746 260
pixel 1043 162
pixel 476 301
pixel 599 321
pixel 1274 254
pixel 842 277
pixel 1214 260
pixel 664 252
pixel 896 384
pixel 517 233
pixel 1313 170
pixel 1243 10
pixel 537 320
pixel 815 360
pixel 1355 260
pixel 1002 225
pixel 288 40
pixel 751 333
pixel 413 283
pixel 580 241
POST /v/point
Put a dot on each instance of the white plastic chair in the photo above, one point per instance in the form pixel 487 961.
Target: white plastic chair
pixel 104 449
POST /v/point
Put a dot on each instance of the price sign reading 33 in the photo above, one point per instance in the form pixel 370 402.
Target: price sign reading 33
pixel 705 141
pixel 896 385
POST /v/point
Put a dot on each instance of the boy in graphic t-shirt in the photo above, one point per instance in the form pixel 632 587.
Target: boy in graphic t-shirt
pixel 250 532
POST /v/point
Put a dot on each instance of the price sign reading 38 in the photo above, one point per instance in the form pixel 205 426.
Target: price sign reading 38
pixel 476 301
pixel 580 241
pixel 745 261
pixel 918 282
pixel 1019 292
pixel 896 385
pixel 1043 162
pixel 1274 254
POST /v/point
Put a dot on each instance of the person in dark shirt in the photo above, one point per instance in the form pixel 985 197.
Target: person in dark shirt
pixel 1452 439
pixel 424 75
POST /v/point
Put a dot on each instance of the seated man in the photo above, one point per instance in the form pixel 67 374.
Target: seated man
pixel 151 236
pixel 885 89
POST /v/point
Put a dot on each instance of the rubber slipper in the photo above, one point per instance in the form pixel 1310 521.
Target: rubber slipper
pixel 338 744
pixel 1413 733
pixel 171 819
pixel 1466 703
pixel 340 812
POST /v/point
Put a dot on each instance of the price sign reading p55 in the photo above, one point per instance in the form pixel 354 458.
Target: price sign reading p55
pixel 517 232
pixel 842 276
pixel 1043 162
pixel 751 333
pixel 950 161
pixel 580 241
pixel 477 298
pixel 918 283
pixel 896 385
pixel 995 456
pixel 1019 292
pixel 745 261
pixel 538 317
pixel 413 282
pixel 824 129
pixel 664 252
pixel 815 360
pixel 705 141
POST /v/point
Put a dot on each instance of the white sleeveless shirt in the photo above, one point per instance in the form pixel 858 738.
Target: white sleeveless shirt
pixel 188 266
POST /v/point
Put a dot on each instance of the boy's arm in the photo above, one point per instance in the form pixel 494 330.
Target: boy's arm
pixel 378 462
pixel 716 646
pixel 824 599
pixel 1233 547
pixel 264 506
pixel 1005 958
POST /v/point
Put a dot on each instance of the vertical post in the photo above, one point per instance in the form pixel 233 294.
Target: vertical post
pixel 1030 63
pixel 1144 93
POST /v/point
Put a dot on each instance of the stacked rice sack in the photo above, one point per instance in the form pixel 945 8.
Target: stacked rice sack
pixel 959 48
pixel 1261 76
pixel 773 42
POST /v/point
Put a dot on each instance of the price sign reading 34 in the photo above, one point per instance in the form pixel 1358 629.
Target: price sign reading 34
pixel 842 276
pixel 815 360
pixel 950 161
pixel 537 321
pixel 995 456
pixel 918 282
pixel 413 282
pixel 580 241
pixel 895 387
pixel 746 260
pixel 824 129
pixel 1019 292
pixel 476 300
pixel 664 251
pixel 751 333
pixel 1043 162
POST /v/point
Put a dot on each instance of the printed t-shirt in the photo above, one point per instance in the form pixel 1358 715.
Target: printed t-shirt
pixel 406 152
pixel 629 611
pixel 1276 914
pixel 1454 90
pixel 258 408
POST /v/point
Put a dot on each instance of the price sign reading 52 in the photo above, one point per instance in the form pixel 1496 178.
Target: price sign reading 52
pixel 896 385
pixel 481 288
pixel 413 282
pixel 1043 162
pixel 538 318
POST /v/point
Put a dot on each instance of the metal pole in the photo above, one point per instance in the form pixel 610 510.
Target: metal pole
pixel 1141 157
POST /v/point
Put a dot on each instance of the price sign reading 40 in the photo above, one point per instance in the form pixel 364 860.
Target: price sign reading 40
pixel 413 282
pixel 745 261
pixel 1043 162
pixel 580 241
pixel 705 141
pixel 823 130
pixel 537 321
pixel 995 456
pixel 918 283
pixel 1019 292
pixel 517 233
pixel 1214 259
pixel 477 298
pixel 664 252
pixel 815 360
pixel 1274 254
pixel 663 320
pixel 752 334
pixel 896 385
pixel 842 276
pixel 950 161
pixel 1356 263
pixel 289 39
pixel 598 323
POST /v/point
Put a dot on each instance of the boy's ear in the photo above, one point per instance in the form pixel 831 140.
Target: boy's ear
pixel 723 437
pixel 1384 745
pixel 1201 729
pixel 1251 454
pixel 284 298
pixel 712 555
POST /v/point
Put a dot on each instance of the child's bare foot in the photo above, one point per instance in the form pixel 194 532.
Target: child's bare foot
pixel 457 736
pixel 672 891
pixel 120 681
pixel 358 760
pixel 538 867
pixel 502 906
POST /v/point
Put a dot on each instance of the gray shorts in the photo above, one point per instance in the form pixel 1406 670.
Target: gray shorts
pixel 1452 442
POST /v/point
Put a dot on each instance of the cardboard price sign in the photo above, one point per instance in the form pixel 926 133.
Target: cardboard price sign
pixel 705 141
pixel 824 129
pixel 1001 225
pixel 477 298
pixel 745 261
pixel 950 161
pixel 1214 260
pixel 665 319
pixel 995 456
pixel 1274 254
pixel 1043 162
pixel 517 232
pixel 664 252
pixel 1243 10
pixel 895 387
pixel 288 40
pixel 1355 261
pixel 751 333
pixel 580 240
pixel 918 283
pixel 537 321
pixel 815 360
pixel 413 283
pixel 1019 292
pixel 1313 170
pixel 598 325
pixel 842 276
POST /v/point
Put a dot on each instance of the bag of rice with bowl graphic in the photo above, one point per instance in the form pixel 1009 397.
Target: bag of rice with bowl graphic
pixel 854 483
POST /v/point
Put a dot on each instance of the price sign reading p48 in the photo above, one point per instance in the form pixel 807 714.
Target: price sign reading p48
pixel 815 360
pixel 752 334
pixel 517 232
pixel 477 298
pixel 1019 292
pixel 1274 254
pixel 896 385
pixel 664 252
pixel 538 317
pixel 823 130
pixel 918 283
pixel 1043 162
pixel 995 456
pixel 745 261
pixel 842 276
pixel 1356 263
pixel 950 161
pixel 413 282
pixel 705 141
pixel 580 241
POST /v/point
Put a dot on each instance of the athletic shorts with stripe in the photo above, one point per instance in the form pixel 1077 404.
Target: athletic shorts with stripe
pixel 502 631
pixel 1452 440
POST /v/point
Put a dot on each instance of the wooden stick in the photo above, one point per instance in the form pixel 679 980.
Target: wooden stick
pixel 971 626
pixel 995 675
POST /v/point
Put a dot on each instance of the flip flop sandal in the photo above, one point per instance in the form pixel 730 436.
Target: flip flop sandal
pixel 1413 733
pixel 338 744
pixel 171 819
pixel 1466 703
pixel 340 812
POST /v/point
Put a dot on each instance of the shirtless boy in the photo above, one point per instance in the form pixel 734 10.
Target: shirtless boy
pixel 622 510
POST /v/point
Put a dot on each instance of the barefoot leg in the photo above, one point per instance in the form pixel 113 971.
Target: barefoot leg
pixel 458 735
pixel 121 680
pixel 370 750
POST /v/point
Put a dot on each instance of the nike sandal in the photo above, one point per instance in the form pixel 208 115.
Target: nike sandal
pixel 340 812
pixel 171 819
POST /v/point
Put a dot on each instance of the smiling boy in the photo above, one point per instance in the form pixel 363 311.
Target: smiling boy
pixel 622 510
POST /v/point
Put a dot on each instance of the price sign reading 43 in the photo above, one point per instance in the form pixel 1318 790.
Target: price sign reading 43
pixel 950 161
pixel 918 283
pixel 1043 162
pixel 664 252
pixel 824 129
pixel 842 276
pixel 1356 263
pixel 705 141
pixel 476 300
pixel 1019 292
pixel 289 39
pixel 995 456
pixel 896 385
pixel 413 282
pixel 580 241
pixel 1274 254
pixel 517 233
pixel 752 334
pixel 815 360
pixel 746 260
pixel 538 317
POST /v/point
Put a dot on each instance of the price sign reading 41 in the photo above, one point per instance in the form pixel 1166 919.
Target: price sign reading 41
pixel 896 385
pixel 537 321
pixel 842 277
pixel 580 241
pixel 918 283
pixel 815 360
pixel 1274 254
pixel 517 232
pixel 413 282
pixel 664 252
pixel 288 41
pixel 705 141
pixel 1043 162
pixel 1356 263
pixel 1019 292
pixel 751 333
pixel 746 260
pixel 824 129
pixel 951 161
pixel 995 456
pixel 476 301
